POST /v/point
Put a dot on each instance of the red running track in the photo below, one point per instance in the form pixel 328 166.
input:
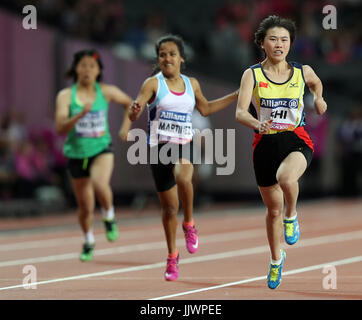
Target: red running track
pixel 231 264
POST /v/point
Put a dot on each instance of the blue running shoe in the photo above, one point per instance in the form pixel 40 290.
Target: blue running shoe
pixel 275 273
pixel 291 231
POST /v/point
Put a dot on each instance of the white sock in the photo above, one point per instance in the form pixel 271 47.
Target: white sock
pixel 291 218
pixel 276 261
pixel 108 214
pixel 89 237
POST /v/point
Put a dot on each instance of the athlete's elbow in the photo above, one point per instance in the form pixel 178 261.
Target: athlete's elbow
pixel 239 116
pixel 60 130
pixel 204 112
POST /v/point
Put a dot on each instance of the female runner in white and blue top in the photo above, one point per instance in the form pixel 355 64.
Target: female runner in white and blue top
pixel 171 98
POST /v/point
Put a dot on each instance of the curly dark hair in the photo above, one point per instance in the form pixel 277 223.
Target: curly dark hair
pixel 170 38
pixel 271 22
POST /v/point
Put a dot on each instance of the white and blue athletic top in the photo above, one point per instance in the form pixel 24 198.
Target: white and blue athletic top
pixel 170 114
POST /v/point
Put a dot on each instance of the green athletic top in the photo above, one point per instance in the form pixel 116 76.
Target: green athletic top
pixel 91 134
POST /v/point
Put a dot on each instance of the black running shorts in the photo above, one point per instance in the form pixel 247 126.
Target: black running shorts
pixel 166 155
pixel 271 149
pixel 79 168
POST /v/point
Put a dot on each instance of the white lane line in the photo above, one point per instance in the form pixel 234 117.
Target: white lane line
pixel 295 271
pixel 45 243
pixel 90 275
pixel 209 257
pixel 222 237
pixel 229 236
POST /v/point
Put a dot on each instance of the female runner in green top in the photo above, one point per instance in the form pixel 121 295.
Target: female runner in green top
pixel 82 114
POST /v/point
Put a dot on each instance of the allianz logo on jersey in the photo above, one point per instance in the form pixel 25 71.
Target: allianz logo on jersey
pixel 175 116
pixel 276 103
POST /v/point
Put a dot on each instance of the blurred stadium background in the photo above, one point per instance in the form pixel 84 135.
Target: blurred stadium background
pixel 219 39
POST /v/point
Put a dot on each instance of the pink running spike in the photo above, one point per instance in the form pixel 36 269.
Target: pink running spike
pixel 192 240
pixel 171 272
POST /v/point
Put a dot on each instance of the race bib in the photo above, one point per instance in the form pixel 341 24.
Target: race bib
pixel 93 124
pixel 284 112
pixel 175 124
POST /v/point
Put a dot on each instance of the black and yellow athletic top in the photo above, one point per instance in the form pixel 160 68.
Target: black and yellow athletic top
pixel 282 102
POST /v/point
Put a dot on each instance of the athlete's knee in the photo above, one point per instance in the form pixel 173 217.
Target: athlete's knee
pixel 183 181
pixel 85 211
pixel 274 212
pixel 170 210
pixel 286 181
pixel 101 186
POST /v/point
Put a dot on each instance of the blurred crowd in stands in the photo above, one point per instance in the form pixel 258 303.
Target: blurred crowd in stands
pixel 210 28
pixel 217 33
pixel 349 137
pixel 30 158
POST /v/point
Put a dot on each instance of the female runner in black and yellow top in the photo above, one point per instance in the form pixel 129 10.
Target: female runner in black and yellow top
pixel 282 147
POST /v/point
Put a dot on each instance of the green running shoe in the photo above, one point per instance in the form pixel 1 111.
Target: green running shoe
pixel 275 273
pixel 111 230
pixel 87 252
